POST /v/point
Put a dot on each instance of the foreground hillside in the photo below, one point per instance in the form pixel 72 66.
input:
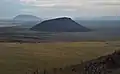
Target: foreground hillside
pixel 108 64
pixel 16 58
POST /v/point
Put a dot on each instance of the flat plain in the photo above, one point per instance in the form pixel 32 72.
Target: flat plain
pixel 18 58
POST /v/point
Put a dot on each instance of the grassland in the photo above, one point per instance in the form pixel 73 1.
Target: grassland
pixel 16 58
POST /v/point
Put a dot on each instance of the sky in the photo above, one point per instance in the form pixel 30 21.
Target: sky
pixel 56 8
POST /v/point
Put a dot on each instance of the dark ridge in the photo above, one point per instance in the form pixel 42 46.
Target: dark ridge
pixel 63 24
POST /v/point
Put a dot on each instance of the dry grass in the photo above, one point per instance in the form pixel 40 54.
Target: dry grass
pixel 17 58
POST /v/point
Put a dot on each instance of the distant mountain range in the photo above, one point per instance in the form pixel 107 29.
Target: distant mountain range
pixel 99 18
pixel 26 18
pixel 63 24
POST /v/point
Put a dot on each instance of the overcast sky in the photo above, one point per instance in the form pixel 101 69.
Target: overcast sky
pixel 56 8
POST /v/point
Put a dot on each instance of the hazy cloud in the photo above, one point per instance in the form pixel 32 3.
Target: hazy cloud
pixel 109 3
pixel 60 7
pixel 70 3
